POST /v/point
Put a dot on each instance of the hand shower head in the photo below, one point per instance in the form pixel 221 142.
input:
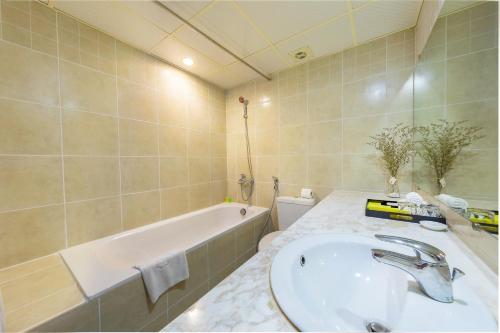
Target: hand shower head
pixel 243 100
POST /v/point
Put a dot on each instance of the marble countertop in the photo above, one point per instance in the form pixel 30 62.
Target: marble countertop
pixel 244 300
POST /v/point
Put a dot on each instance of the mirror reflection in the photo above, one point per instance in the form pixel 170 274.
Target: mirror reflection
pixel 456 112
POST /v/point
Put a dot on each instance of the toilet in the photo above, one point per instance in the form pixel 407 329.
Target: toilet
pixel 290 209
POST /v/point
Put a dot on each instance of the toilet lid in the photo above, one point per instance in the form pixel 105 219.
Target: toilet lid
pixel 267 239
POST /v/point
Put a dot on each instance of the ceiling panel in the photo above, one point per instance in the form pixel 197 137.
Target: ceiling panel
pixel 223 23
pixel 451 6
pixel 280 20
pixel 115 19
pixel 383 17
pixel 174 51
pixel 187 9
pixel 332 37
pixel 268 61
pixel 197 41
pixel 247 28
pixel 232 76
pixel 153 13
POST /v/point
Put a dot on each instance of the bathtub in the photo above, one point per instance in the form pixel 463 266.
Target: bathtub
pixel 108 262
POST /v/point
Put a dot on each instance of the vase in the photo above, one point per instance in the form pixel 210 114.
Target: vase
pixel 392 190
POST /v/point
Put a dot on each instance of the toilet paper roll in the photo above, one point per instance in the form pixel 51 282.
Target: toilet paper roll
pixel 306 193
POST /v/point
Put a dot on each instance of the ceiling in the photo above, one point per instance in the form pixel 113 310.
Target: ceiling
pixel 451 6
pixel 263 33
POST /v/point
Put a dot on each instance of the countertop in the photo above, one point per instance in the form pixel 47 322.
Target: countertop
pixel 244 300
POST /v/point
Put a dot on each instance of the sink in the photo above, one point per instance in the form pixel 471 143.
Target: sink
pixel 332 283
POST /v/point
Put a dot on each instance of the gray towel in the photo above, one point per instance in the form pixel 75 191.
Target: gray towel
pixel 162 273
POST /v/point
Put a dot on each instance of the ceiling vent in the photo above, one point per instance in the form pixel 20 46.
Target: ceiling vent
pixel 302 54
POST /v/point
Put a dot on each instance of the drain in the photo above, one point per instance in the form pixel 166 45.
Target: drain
pixel 302 261
pixel 243 212
pixel 376 327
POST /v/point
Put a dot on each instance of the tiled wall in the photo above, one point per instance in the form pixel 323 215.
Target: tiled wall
pixel 96 137
pixel 311 123
pixel 457 79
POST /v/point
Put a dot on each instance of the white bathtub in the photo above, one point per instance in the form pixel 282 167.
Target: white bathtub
pixel 108 262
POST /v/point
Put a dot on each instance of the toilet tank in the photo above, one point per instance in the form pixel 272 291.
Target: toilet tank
pixel 290 209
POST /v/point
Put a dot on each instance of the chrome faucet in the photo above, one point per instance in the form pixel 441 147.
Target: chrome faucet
pixel 433 277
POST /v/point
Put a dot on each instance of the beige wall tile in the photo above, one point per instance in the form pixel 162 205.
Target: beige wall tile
pixel 89 134
pixel 325 171
pixel 472 77
pixel 218 191
pixel 174 171
pixel 199 196
pixel 137 102
pixel 93 219
pixel 172 109
pixel 139 174
pixel 293 169
pixel 173 141
pixel 23 269
pixel 293 110
pixel 31 233
pixel 198 144
pixel 138 138
pixel 325 138
pixel 87 90
pixel 325 103
pixel 218 169
pixel 293 140
pixel 266 168
pixel 29 181
pixel 32 287
pixel 199 170
pixel 16 34
pixel 48 307
pixel 83 318
pixel 28 75
pixel 363 172
pixel 141 209
pixel 91 177
pixel 218 145
pixel 29 128
pixel 135 65
pixel 267 142
pixel 174 201
pixel 356 133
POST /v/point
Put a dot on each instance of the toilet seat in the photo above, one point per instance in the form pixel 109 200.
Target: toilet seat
pixel 265 242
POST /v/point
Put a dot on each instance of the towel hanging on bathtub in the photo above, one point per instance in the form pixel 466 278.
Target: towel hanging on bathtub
pixel 162 273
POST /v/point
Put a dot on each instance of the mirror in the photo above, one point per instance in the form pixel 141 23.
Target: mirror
pixel 456 104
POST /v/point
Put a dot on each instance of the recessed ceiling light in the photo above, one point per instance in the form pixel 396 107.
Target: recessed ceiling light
pixel 188 61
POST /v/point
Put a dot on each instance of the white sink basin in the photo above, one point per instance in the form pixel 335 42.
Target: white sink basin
pixel 340 287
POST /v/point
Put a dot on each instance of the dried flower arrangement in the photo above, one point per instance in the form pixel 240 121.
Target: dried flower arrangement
pixel 396 145
pixel 442 142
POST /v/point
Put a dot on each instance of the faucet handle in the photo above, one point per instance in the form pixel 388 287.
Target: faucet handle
pixel 418 247
pixel 456 274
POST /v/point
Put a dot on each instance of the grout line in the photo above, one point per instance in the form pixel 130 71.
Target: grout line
pixel 342 120
pixel 353 24
pixel 119 150
pixel 66 233
pixel 262 33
